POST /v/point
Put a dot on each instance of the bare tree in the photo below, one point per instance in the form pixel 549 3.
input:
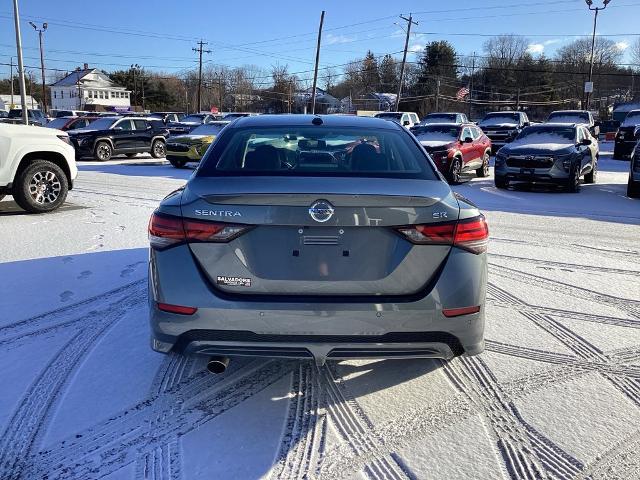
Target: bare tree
pixel 635 54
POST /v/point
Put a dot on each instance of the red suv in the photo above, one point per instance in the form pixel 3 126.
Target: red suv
pixel 456 149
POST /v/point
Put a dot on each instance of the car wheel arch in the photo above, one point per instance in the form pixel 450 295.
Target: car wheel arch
pixel 53 157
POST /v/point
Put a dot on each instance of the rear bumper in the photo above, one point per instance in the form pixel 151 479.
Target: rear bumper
pixel 320 329
pixel 623 148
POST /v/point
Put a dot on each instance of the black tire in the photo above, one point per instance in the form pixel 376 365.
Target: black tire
pixel 453 177
pixel 103 151
pixel 41 187
pixel 158 149
pixel 501 183
pixel 130 155
pixel 633 188
pixel 177 163
pixel 483 171
pixel 592 176
pixel 573 182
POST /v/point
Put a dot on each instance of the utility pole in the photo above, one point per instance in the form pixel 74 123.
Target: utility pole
pixel 518 100
pixel 44 88
pixel 438 94
pixel 473 71
pixel 12 82
pixel 220 94
pixel 31 89
pixel 200 51
pixel 404 57
pixel 23 97
pixel 596 10
pixel 315 71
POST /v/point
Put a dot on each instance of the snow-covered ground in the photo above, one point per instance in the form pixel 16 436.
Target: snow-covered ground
pixel 555 395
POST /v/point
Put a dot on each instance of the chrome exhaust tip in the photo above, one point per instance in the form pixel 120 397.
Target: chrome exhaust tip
pixel 217 364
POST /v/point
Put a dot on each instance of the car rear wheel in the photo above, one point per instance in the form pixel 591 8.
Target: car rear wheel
pixel 177 163
pixel 158 149
pixel 103 151
pixel 454 173
pixel 501 182
pixel 41 187
pixel 633 188
pixel 483 171
pixel 592 176
pixel 573 183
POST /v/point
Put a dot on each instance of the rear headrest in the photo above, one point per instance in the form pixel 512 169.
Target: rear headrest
pixel 365 157
pixel 264 157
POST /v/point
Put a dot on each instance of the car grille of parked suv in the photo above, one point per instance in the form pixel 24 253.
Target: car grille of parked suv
pixel 530 162
pixel 177 147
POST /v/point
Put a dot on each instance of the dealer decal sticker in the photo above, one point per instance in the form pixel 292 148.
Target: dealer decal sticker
pixel 233 281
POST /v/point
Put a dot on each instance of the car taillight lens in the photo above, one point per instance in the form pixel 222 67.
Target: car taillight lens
pixel 470 234
pixel 167 230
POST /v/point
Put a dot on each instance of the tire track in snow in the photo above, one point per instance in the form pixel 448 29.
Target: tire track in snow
pixel 66 316
pixel 120 440
pixel 568 266
pixel 304 437
pixel 28 422
pixel 358 431
pixel 626 305
pixel 620 462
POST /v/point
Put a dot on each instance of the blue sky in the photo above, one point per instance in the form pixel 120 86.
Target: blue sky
pixel 159 34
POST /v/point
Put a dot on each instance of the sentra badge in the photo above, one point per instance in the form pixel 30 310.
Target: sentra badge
pixel 218 213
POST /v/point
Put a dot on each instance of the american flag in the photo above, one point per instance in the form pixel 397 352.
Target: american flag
pixel 463 92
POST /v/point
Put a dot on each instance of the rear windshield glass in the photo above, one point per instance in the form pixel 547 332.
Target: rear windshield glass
pixel 100 124
pixel 497 118
pixel 545 134
pixel 57 123
pixel 316 151
pixel 389 116
pixel 437 132
pixel 573 117
pixel 439 118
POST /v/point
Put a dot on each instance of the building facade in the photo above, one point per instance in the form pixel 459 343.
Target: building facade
pixel 7 102
pixel 88 86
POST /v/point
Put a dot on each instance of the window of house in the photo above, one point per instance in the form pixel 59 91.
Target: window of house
pixel 55 94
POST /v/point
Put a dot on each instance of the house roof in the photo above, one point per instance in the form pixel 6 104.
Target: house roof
pixel 89 77
pixel 73 77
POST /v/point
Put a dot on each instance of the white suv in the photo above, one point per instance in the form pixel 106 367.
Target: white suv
pixel 37 166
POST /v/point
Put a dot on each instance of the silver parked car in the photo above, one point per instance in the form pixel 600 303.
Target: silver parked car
pixel 324 237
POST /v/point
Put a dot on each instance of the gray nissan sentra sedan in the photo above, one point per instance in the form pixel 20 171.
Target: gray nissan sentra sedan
pixel 320 237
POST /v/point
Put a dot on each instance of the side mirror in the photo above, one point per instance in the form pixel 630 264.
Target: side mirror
pixel 526 124
pixel 406 123
pixel 468 140
pixel 585 141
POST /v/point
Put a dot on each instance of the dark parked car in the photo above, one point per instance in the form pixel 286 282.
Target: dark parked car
pixel 503 127
pixel 70 123
pixel 549 153
pixel 445 117
pixel 456 149
pixel 633 186
pixel 36 117
pixel 4 114
pixel 109 136
pixel 189 122
pixel 628 135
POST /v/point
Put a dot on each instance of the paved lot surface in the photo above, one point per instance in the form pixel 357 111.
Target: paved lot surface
pixel 556 394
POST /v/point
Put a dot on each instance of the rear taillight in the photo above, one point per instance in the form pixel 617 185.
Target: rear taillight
pixel 167 230
pixel 471 234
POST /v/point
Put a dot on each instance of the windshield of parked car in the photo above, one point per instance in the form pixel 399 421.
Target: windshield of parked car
pixel 208 129
pixel 312 151
pixel 193 118
pixel 439 118
pixel 58 122
pixel 632 119
pixel 544 134
pixel 498 118
pixel 569 117
pixel 444 133
pixel 101 124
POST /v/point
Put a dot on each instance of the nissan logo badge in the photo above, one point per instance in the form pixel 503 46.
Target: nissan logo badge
pixel 321 211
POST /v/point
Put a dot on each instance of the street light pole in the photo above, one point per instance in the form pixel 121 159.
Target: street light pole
pixel 44 88
pixel 596 10
pixel 23 94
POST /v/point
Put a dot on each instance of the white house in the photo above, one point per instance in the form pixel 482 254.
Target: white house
pixel 88 86
pixel 7 104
